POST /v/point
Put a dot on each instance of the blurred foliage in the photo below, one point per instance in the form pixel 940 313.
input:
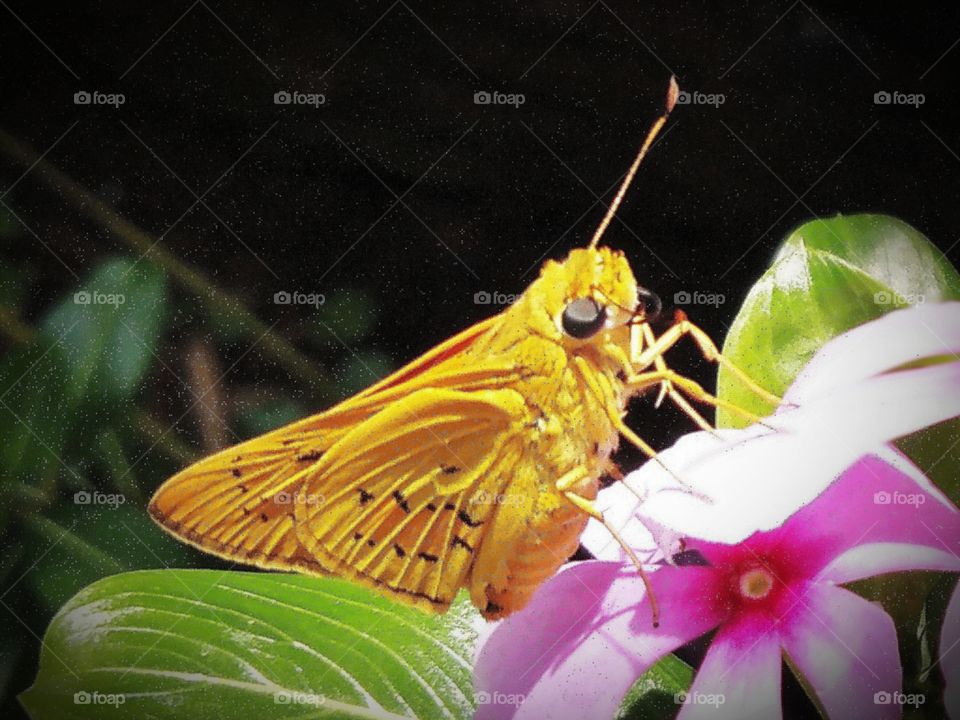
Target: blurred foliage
pixel 91 401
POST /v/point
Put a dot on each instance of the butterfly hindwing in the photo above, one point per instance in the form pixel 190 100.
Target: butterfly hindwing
pixel 390 503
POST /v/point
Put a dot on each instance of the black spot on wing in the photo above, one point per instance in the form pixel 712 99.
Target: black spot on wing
pixel 311 456
pixel 459 541
pixel 401 500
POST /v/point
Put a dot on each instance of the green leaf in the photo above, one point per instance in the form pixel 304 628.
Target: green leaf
pixel 659 692
pixel 109 328
pixel 204 644
pixel 828 277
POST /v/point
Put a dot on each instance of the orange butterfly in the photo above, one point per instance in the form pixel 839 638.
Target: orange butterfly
pixel 475 466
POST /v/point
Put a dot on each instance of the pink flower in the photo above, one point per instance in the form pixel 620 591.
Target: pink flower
pixel 587 636
pixel 800 534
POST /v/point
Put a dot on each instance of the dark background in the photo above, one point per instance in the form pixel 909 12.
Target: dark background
pixel 798 136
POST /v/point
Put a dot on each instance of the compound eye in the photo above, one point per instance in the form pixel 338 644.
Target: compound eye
pixel 583 318
pixel 650 302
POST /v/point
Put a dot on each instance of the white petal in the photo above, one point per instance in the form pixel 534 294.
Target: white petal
pixel 754 479
pixel 901 337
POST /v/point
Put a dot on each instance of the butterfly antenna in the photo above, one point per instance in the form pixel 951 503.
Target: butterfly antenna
pixel 673 91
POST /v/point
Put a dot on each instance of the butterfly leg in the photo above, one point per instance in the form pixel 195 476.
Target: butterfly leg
pixel 707 347
pixel 666 387
pixel 692 388
pixel 563 485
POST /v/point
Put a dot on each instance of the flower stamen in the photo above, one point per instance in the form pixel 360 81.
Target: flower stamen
pixel 756 583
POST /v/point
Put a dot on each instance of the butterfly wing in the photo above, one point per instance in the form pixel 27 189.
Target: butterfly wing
pixel 238 503
pixel 393 504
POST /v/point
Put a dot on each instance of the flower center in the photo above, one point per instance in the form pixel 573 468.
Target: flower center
pixel 756 584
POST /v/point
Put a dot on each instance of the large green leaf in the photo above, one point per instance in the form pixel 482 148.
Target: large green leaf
pixel 828 277
pixel 109 329
pixel 204 644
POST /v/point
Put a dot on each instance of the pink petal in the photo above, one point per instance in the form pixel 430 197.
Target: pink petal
pixel 920 332
pixel 586 637
pixel 950 656
pixel 846 650
pixel 875 501
pixel 742 667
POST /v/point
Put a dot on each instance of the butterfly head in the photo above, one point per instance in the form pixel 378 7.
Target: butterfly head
pixel 592 297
